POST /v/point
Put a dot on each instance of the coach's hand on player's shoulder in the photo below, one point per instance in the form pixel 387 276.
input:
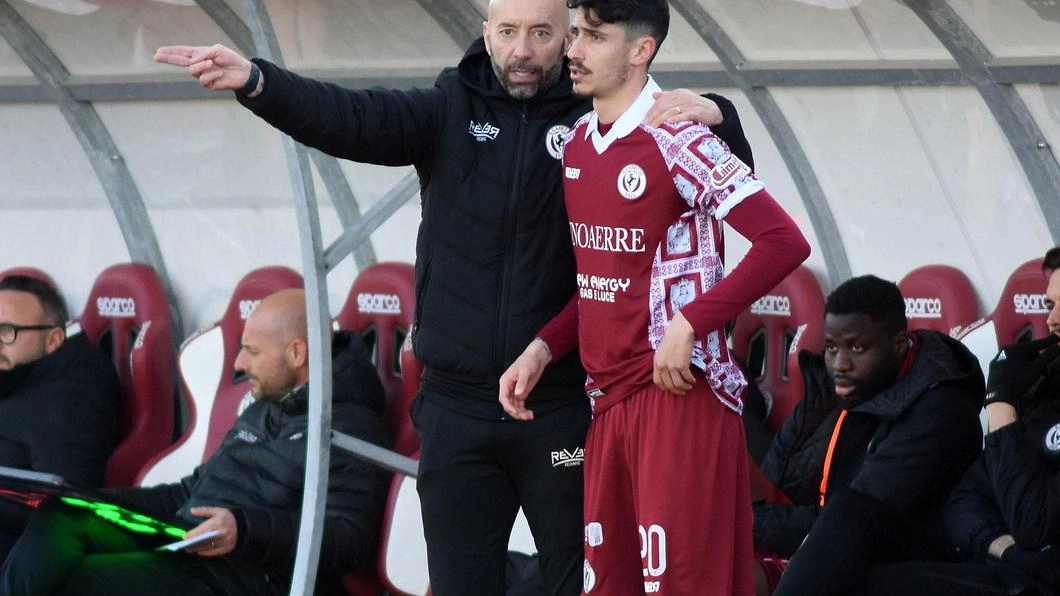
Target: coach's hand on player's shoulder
pixel 519 380
pixel 673 358
pixel 680 105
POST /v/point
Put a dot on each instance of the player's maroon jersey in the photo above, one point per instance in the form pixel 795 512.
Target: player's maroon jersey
pixel 645 206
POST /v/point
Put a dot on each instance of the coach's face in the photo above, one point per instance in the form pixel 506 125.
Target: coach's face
pixel 526 40
pixel 1052 302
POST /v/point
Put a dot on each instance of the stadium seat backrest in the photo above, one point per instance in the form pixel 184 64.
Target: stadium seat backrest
pixel 128 315
pixel 1019 315
pixel 938 297
pixel 206 365
pixel 29 272
pixel 380 306
pixel 769 334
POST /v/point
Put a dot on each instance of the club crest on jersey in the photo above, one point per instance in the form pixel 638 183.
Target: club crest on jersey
pixel 554 140
pixel 728 171
pixel 632 182
pixel 1052 439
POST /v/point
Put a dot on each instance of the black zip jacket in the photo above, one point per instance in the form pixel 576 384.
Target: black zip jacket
pixel 59 414
pixel 258 473
pixel 1014 488
pixel 494 261
pixel 907 446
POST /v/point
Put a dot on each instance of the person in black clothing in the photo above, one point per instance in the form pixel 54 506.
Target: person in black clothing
pixel 58 396
pixel 493 264
pixel 888 423
pixel 1004 516
pixel 250 490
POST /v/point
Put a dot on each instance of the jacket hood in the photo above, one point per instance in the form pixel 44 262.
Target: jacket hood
pixel 353 378
pixel 476 72
pixel 941 360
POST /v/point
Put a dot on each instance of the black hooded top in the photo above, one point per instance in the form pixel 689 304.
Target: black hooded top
pixel 258 473
pixel 493 254
pixel 907 446
pixel 59 414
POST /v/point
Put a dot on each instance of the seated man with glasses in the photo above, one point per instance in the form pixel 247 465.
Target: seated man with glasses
pixel 58 395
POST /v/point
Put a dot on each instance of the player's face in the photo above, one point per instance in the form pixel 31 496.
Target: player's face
pixel 599 56
pixel 20 309
pixel 861 356
pixel 263 360
pixel 525 40
pixel 1052 302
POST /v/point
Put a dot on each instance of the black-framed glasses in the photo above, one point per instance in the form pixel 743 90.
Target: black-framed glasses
pixel 9 332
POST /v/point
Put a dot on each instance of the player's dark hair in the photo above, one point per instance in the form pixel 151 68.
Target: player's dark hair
pixel 1051 262
pixel 637 17
pixel 869 295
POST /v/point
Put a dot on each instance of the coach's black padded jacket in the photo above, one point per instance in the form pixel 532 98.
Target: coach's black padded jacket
pixel 1014 488
pixel 494 261
pixel 258 473
pixel 906 446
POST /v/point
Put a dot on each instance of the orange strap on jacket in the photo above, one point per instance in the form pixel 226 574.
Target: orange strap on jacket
pixel 828 455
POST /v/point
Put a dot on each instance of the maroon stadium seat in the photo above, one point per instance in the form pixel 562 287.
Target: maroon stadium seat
pixel 128 315
pixel 769 335
pixel 938 297
pixel 217 392
pixel 380 306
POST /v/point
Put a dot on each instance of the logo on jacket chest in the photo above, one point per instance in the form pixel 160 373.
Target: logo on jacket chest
pixel 483 132
pixel 246 436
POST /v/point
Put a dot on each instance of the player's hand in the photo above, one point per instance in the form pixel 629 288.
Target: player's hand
pixel 673 359
pixel 1019 369
pixel 681 105
pixel 216 67
pixel 519 380
pixel 220 519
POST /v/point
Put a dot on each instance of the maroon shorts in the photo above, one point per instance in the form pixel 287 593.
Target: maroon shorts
pixel 667 498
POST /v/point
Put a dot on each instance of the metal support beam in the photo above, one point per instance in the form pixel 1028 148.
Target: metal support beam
pixel 802 173
pixel 461 19
pixel 375 455
pixel 354 236
pixel 318 431
pixel 1013 117
pixel 99 147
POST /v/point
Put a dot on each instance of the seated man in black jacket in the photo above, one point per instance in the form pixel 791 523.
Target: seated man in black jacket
pixel 58 395
pixel 890 417
pixel 250 490
pixel 1004 516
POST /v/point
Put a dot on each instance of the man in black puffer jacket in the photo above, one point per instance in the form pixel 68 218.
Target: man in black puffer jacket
pixel 493 264
pixel 250 490
pixel 888 424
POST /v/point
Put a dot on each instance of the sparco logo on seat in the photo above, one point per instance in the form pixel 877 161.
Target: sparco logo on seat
pixel 246 307
pixel 116 307
pixel 1030 304
pixel 923 308
pixel 383 304
pixel 772 305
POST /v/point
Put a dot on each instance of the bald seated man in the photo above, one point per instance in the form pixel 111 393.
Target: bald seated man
pixel 494 263
pixel 249 491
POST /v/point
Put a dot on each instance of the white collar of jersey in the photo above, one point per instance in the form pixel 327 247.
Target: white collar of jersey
pixel 627 122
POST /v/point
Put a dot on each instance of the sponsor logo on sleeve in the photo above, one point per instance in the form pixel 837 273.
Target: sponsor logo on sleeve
pixel 120 307
pixel 594 534
pixel 483 132
pixel 728 171
pixel 588 578
pixel 572 173
pixel 379 304
pixel 554 140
